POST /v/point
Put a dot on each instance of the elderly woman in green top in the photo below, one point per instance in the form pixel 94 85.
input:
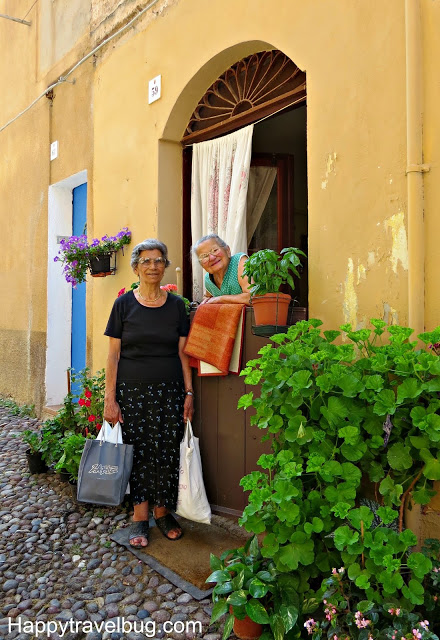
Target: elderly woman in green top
pixel 224 279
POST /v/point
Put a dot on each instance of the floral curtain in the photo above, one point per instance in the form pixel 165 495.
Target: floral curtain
pixel 220 174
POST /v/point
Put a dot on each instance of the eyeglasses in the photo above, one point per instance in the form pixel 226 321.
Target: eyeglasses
pixel 204 257
pixel 158 262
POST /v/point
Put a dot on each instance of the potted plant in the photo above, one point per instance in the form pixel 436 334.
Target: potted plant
pixel 52 433
pixel 72 448
pixel 253 592
pixel 33 454
pixel 267 272
pixel 78 256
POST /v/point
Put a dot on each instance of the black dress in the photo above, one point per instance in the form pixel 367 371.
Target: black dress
pixel 151 392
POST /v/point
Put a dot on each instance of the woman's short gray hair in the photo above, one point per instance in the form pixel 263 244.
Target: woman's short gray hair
pixel 149 245
pixel 210 236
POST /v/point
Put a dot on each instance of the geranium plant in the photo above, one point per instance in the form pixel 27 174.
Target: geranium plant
pixel 75 253
pixel 344 418
pixel 345 615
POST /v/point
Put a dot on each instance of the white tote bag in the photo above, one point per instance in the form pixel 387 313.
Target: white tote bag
pixel 192 502
pixel 113 435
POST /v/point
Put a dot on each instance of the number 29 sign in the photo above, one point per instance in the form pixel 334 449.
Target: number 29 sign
pixel 154 89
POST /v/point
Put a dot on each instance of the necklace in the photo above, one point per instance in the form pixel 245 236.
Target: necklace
pixel 147 299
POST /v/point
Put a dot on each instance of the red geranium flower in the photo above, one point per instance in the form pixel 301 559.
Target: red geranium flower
pixel 88 394
pixel 98 427
pixel 81 402
pixel 92 418
pixel 87 403
pixel 169 287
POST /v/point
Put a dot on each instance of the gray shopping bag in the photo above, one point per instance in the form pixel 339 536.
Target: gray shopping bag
pixel 104 472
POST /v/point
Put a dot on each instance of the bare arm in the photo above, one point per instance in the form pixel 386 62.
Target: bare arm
pixel 239 298
pixel 188 409
pixel 112 411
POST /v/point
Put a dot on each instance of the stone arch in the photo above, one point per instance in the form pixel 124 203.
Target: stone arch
pixel 170 147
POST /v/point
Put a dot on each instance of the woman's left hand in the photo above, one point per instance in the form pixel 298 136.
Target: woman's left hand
pixel 188 408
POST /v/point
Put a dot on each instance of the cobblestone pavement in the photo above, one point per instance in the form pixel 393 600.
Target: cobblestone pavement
pixel 57 564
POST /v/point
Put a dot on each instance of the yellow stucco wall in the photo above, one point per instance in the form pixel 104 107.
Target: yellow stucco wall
pixel 354 57
pixel 356 137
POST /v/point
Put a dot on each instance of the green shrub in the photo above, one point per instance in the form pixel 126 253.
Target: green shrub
pixel 340 416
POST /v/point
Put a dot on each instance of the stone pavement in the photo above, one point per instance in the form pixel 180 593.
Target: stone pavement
pixel 59 568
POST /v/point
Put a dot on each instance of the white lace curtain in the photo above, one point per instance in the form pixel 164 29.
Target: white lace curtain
pixel 220 174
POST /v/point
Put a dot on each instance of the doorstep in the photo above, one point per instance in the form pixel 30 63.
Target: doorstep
pixel 50 411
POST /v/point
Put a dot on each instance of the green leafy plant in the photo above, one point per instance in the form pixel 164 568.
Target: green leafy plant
pixel 90 401
pixel 268 270
pixel 248 584
pixel 52 433
pixel 344 615
pixel 81 414
pixel 22 411
pixel 32 439
pixel 342 416
pixel 72 447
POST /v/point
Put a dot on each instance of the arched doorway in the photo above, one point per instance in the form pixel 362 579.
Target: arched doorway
pixel 268 90
pixel 230 445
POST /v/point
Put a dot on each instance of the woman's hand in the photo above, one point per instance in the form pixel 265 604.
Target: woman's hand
pixel 112 412
pixel 188 408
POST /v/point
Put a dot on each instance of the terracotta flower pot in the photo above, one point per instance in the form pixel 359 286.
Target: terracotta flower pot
pixel 247 629
pixel 271 308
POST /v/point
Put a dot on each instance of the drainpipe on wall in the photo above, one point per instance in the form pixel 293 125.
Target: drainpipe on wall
pixel 415 168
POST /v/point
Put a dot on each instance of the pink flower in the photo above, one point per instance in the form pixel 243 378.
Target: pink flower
pixel 121 292
pixel 310 625
pixel 169 287
pixel 360 621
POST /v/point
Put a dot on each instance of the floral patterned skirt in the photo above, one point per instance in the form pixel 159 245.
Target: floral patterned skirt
pixel 153 423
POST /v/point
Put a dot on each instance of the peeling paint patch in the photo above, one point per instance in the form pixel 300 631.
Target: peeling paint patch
pixel 371 259
pixel 361 273
pixel 331 161
pixel 350 299
pixel 399 249
pixel 330 168
pixel 390 315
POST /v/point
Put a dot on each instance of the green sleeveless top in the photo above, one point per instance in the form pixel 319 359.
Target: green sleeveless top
pixel 230 285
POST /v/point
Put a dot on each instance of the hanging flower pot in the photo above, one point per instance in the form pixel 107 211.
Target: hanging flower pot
pixel 100 265
pixel 78 256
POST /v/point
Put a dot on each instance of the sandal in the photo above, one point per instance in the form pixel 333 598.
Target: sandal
pixel 139 530
pixel 167 523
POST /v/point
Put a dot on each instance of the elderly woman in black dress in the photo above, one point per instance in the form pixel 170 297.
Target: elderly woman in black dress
pixel 148 388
